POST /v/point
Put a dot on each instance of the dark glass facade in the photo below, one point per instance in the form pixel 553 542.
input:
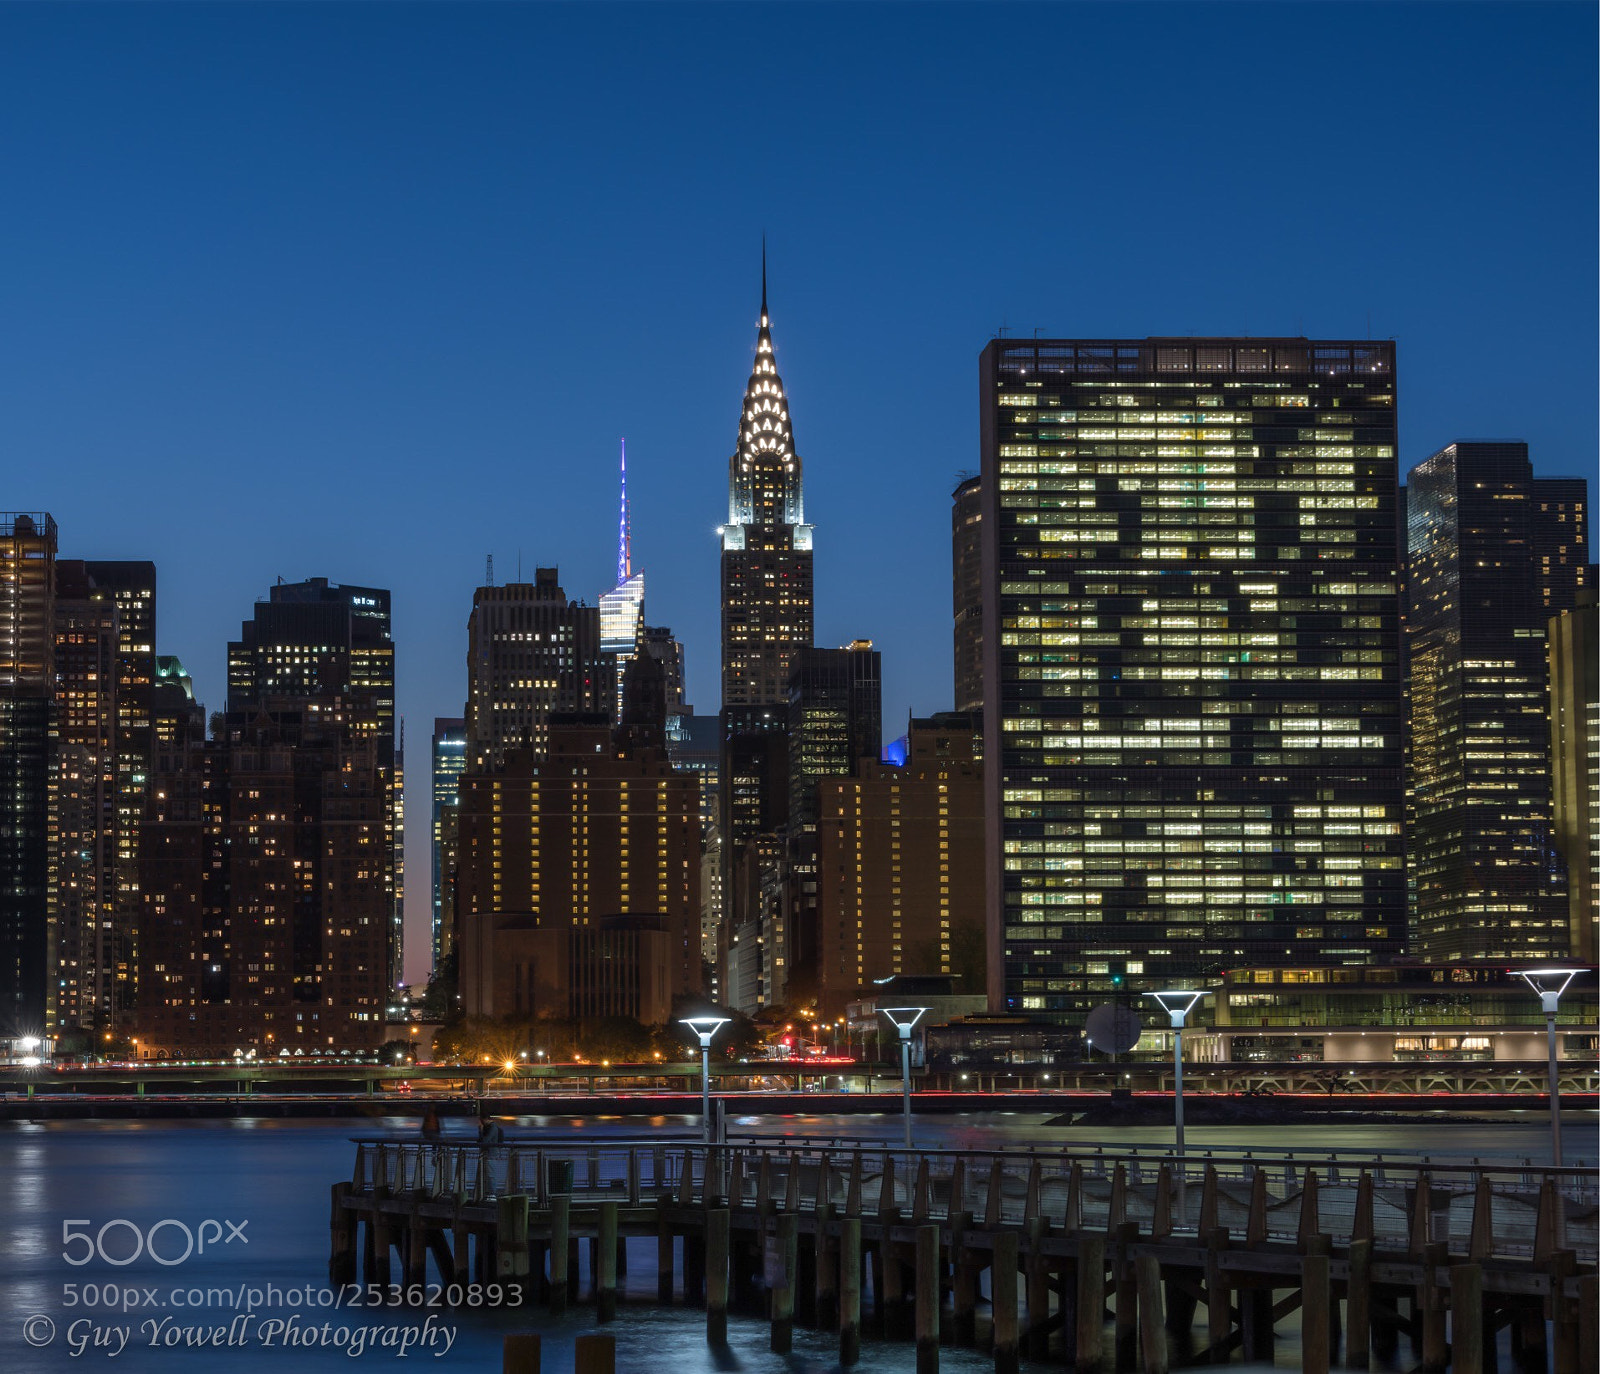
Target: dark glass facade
pixel 27 674
pixel 1192 689
pixel 1484 572
pixel 966 592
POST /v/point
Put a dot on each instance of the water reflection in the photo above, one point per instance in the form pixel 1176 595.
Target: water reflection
pixel 274 1176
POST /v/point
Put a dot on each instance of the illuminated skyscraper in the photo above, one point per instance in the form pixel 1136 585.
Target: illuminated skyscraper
pixel 1575 753
pixel 449 761
pixel 263 872
pixel 835 726
pixel 129 586
pixel 177 718
pixel 766 614
pixel 530 653
pixel 1492 552
pixel 27 676
pixel 622 608
pixel 766 543
pixel 315 640
pixel 579 884
pixel 83 821
pixel 1191 684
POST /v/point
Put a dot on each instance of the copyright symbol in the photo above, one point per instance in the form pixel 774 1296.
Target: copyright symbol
pixel 38 1329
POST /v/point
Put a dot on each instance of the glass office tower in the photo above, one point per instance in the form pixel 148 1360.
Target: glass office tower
pixel 1492 552
pixel 449 762
pixel 1193 691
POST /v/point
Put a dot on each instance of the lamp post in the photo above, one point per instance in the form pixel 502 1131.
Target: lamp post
pixel 1177 1003
pixel 1550 983
pixel 705 1027
pixel 903 1019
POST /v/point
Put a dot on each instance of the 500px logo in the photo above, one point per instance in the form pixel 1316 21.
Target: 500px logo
pixel 177 1241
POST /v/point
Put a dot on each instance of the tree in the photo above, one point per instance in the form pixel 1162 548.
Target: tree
pixel 439 1002
pixel 969 955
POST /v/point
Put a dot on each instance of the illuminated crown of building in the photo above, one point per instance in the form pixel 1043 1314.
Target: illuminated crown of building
pixel 764 473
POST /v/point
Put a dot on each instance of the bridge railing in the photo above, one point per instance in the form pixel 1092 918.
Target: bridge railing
pixel 1503 1209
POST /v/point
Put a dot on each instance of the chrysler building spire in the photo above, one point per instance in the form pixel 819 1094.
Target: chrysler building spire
pixel 764 479
pixel 766 544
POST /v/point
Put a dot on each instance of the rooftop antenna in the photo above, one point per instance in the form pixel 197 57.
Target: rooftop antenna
pixel 624 534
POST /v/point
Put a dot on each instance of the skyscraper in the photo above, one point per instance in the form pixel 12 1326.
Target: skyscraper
pixel 177 718
pixel 1486 569
pixel 313 640
pixel 449 761
pixel 83 822
pixel 766 617
pixel 580 852
pixel 966 562
pixel 130 586
pixel 530 652
pixel 263 879
pixel 622 608
pixel 835 719
pixel 901 871
pixel 1574 644
pixel 835 723
pixel 1191 686
pixel 661 646
pixel 27 677
pixel 766 543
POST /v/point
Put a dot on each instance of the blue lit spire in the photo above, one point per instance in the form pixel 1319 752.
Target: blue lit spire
pixel 624 535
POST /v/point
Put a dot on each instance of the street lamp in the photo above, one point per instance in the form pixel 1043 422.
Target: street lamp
pixel 903 1019
pixel 705 1027
pixel 1550 983
pixel 1177 1003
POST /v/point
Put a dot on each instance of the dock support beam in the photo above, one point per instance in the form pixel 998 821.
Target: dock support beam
pixel 1152 1322
pixel 717 1232
pixel 1003 1305
pixel 850 1291
pixel 560 1231
pixel 1358 1306
pixel 927 1315
pixel 783 1283
pixel 606 1264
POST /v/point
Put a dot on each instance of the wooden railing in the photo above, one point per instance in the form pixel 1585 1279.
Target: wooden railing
pixel 1483 1209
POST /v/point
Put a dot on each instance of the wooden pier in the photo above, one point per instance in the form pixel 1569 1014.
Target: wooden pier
pixel 1095 1259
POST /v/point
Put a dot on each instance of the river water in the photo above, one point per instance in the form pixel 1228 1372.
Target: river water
pixel 270 1179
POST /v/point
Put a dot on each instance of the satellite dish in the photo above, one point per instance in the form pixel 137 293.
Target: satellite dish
pixel 1112 1029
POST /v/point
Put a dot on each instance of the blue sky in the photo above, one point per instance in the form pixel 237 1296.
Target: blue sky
pixel 371 291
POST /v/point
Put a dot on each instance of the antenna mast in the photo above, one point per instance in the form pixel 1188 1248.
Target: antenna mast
pixel 624 535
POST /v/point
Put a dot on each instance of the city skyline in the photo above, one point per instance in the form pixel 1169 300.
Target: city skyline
pixel 482 424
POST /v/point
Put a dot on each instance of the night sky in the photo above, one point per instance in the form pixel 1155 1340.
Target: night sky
pixel 372 291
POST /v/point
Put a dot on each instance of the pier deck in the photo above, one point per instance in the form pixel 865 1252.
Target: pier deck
pixel 1125 1259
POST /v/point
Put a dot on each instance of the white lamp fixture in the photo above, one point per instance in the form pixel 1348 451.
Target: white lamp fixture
pixel 1177 1003
pixel 705 1027
pixel 1550 983
pixel 903 1019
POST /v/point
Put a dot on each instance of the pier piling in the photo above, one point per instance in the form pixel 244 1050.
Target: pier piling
pixel 850 1290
